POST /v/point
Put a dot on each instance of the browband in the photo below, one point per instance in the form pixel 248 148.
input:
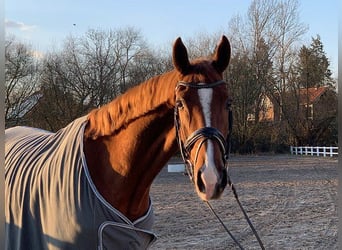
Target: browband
pixel 200 85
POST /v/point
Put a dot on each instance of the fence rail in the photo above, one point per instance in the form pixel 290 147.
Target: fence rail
pixel 315 151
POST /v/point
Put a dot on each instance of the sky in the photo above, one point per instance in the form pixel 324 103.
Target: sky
pixel 45 24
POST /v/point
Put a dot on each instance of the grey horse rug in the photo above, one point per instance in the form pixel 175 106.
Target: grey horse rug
pixel 51 201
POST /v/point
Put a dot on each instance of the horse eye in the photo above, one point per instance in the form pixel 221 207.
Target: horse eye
pixel 181 87
pixel 179 104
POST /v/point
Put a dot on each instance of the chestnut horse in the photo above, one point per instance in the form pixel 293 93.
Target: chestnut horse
pixel 122 147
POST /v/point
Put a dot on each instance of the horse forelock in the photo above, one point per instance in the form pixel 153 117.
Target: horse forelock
pixel 206 71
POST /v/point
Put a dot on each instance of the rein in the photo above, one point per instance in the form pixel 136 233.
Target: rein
pixel 244 214
pixel 210 133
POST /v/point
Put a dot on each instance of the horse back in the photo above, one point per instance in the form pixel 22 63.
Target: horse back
pixel 19 132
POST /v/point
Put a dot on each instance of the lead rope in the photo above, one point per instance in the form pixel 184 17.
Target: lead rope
pixel 244 213
pixel 225 227
pixel 246 216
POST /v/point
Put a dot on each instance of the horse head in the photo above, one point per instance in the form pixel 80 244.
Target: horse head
pixel 202 118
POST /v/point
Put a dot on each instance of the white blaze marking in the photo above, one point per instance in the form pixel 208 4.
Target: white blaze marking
pixel 206 96
pixel 209 174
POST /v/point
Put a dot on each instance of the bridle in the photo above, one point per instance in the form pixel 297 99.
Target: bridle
pixel 204 133
pixel 210 133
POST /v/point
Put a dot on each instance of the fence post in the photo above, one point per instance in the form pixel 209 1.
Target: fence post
pixel 324 151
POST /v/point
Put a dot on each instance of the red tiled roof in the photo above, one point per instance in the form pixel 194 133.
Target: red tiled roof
pixel 311 94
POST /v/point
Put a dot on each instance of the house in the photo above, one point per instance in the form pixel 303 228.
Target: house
pixel 313 103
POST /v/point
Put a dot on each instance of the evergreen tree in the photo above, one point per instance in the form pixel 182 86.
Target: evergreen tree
pixel 313 65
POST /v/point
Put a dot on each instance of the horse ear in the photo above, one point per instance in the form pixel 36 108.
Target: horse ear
pixel 180 57
pixel 222 55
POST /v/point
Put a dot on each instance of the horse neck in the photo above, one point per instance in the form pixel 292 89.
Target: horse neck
pixel 123 159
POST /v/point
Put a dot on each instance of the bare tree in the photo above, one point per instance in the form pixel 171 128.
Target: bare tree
pixel 94 68
pixel 21 79
pixel 57 105
pixel 202 45
pixel 91 70
pixel 268 36
pixel 145 65
pixel 285 37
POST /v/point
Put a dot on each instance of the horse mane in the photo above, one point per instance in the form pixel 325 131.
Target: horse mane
pixel 136 102
pixel 142 99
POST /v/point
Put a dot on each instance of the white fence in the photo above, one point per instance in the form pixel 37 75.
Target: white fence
pixel 317 151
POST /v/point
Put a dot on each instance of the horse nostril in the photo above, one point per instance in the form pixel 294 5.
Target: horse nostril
pixel 224 180
pixel 200 183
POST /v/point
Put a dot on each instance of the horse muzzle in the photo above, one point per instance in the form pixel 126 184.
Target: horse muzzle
pixel 209 183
